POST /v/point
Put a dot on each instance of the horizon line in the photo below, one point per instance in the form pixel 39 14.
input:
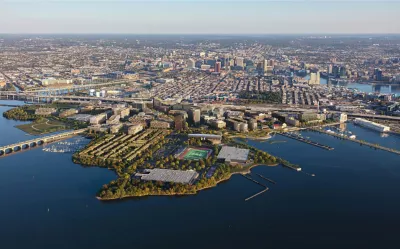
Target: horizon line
pixel 123 33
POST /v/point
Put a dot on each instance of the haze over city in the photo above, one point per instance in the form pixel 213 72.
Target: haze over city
pixel 199 17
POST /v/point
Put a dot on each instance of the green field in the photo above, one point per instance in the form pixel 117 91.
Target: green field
pixel 194 154
pixel 43 127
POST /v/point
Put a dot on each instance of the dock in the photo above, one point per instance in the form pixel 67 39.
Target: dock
pixel 259 193
pixel 304 140
pixel 361 142
pixel 262 191
pixel 263 177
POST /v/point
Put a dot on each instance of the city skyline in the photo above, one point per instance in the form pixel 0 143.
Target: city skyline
pixel 199 17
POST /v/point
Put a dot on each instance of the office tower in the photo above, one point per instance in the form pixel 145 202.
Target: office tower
pixel 378 74
pixel 268 66
pixel 239 62
pixel 217 68
pixel 194 116
pixel 330 69
pixel 191 63
pixel 180 122
pixel 265 65
pixel 314 78
pixel 343 72
pixel 336 71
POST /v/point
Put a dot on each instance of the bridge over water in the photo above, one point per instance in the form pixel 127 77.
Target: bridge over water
pixel 50 91
pixel 20 146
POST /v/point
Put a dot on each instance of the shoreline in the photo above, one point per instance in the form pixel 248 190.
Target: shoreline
pixel 251 137
pixel 245 171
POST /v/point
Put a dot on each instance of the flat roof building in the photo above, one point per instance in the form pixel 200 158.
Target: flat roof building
pixel 232 154
pixel 168 175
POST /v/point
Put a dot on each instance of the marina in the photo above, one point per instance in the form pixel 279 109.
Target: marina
pixel 72 146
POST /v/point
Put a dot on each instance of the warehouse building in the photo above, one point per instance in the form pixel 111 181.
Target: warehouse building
pixel 233 155
pixel 168 175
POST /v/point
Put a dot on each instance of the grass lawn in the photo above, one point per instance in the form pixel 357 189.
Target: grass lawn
pixel 44 127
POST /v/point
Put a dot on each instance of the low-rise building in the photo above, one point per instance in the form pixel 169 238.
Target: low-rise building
pixel 123 112
pixel 134 129
pixel 168 175
pixel 292 121
pixel 68 113
pixel 233 155
pixel 98 119
pixel 217 124
pixel 45 111
pixel 114 119
pixel 158 124
pixel 115 128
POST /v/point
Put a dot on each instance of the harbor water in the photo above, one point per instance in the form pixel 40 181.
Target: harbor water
pixel 47 201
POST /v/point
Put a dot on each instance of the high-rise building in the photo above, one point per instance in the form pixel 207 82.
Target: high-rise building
pixel 343 72
pixel 239 62
pixel 265 65
pixel 314 78
pixel 378 74
pixel 191 63
pixel 268 66
pixel 217 68
pixel 194 116
pixel 336 71
pixel 180 122
pixel 330 69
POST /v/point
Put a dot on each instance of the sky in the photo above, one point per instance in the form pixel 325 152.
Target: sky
pixel 200 16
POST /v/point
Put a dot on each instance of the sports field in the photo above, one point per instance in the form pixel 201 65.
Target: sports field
pixel 195 154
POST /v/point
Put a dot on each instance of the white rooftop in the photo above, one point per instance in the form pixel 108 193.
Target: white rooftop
pixel 229 153
pixel 168 175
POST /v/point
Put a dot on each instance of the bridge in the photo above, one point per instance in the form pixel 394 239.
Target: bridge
pixel 139 102
pixel 20 146
pixel 68 89
pixel 360 115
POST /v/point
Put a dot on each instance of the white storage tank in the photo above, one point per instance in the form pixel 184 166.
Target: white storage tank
pixel 98 94
pixel 103 93
pixel 92 92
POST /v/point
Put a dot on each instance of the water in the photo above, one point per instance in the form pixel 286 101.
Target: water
pixel 368 135
pixel 46 201
pixel 367 88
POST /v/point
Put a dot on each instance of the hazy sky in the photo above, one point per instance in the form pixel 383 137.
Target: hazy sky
pixel 199 16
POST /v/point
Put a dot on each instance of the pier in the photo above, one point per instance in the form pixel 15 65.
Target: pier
pixel 376 146
pixel 256 182
pixel 304 140
pixel 263 177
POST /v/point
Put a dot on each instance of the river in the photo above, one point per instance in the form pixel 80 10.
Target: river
pixel 46 201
